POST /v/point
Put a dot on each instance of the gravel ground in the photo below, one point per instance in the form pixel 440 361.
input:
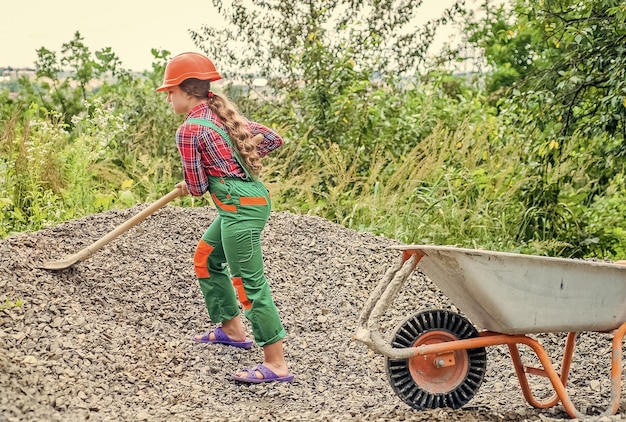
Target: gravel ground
pixel 109 338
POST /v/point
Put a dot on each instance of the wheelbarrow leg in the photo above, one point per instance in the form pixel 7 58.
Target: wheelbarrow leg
pixel 521 371
pixel 616 370
pixel 558 382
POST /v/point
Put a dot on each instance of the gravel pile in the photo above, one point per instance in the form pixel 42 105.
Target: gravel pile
pixel 109 339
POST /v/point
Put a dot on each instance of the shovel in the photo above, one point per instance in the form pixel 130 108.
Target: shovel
pixel 91 249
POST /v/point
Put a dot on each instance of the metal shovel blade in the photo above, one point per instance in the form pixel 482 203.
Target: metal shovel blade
pixel 124 227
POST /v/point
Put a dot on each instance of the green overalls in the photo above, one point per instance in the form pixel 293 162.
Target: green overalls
pixel 233 242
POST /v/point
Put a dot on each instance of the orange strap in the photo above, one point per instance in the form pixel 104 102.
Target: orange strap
pixel 253 200
pixel 225 207
pixel 243 200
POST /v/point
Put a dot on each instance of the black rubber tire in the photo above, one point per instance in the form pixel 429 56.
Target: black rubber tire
pixel 432 322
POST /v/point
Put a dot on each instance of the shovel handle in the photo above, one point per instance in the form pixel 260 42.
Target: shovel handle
pixel 127 225
pixel 132 222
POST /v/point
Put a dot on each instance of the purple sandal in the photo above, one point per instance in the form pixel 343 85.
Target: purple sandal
pixel 268 375
pixel 222 338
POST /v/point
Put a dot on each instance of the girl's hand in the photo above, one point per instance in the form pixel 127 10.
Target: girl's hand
pixel 183 188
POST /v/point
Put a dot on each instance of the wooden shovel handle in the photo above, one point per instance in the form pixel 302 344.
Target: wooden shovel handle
pixel 132 222
pixel 127 225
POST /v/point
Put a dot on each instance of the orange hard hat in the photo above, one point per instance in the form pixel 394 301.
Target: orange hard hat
pixel 188 65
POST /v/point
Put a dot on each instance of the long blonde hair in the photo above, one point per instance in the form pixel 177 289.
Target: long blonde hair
pixel 236 125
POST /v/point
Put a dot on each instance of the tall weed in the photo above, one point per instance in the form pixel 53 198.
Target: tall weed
pixel 452 188
pixel 31 171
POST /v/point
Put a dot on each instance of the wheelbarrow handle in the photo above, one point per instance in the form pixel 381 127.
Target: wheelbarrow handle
pixel 122 228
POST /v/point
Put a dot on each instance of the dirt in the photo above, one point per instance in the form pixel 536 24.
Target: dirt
pixel 109 338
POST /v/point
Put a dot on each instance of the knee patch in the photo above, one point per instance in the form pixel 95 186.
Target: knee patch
pixel 201 259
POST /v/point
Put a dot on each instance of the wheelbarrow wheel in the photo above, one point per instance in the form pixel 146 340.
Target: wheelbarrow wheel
pixel 430 382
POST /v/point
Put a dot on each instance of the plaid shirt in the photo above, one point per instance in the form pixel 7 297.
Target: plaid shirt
pixel 205 153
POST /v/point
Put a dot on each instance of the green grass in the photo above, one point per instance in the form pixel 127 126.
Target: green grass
pixel 470 184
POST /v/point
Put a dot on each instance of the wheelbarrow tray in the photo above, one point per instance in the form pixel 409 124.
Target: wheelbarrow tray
pixel 519 294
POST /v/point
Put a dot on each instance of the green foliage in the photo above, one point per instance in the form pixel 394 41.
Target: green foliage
pixel 507 43
pixel 50 173
pixel 441 191
pixel 565 106
pixel 572 51
pixel 583 61
pixel 146 151
pixel 427 157
pixel 605 221
pixel 64 157
pixel 75 66
pixel 30 170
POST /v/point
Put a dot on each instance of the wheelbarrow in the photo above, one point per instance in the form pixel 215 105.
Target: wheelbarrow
pixel 437 358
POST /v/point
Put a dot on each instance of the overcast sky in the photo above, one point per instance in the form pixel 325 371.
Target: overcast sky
pixel 130 27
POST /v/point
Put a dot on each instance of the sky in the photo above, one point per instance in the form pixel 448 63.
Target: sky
pixel 130 27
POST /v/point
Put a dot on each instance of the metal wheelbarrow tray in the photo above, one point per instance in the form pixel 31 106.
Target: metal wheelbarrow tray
pixel 437 358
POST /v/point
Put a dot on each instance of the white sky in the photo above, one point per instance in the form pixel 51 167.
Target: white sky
pixel 130 27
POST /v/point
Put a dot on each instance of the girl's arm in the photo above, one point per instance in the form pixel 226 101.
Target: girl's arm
pixel 271 140
pixel 195 177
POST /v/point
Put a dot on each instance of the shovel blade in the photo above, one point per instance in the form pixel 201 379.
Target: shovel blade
pixel 60 264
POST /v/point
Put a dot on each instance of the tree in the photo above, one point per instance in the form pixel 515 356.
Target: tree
pixel 573 49
pixel 563 64
pixel 281 38
pixel 77 62
pixel 319 54
pixel 507 50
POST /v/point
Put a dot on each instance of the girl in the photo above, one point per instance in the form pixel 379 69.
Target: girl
pixel 220 156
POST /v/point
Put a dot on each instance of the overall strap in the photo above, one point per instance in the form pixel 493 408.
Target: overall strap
pixel 224 135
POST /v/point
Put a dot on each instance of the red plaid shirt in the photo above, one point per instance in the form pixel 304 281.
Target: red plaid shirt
pixel 205 153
